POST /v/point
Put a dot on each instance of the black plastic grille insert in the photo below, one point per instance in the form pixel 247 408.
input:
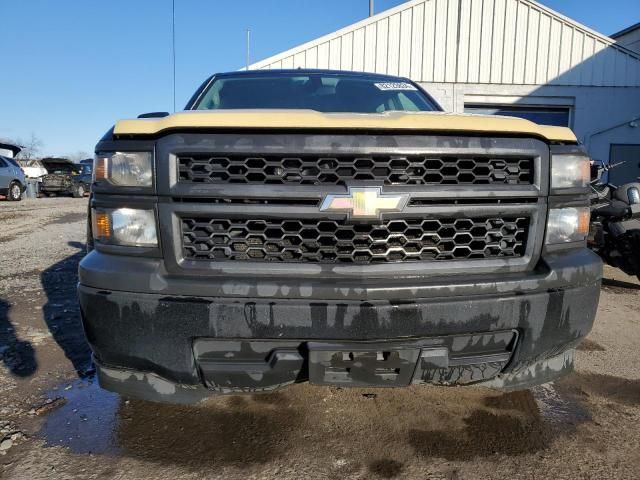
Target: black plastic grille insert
pixel 328 241
pixel 340 170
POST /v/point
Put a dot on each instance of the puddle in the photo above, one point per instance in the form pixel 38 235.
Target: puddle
pixel 241 430
pixel 558 409
pixel 86 421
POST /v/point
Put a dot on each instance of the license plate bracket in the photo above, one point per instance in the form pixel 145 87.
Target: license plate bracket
pixel 362 365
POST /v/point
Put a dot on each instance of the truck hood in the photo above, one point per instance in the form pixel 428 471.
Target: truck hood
pixel 309 119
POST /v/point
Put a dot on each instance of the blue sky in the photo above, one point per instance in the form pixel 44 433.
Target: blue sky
pixel 70 68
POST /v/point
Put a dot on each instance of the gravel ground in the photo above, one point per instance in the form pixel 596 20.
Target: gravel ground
pixel 56 423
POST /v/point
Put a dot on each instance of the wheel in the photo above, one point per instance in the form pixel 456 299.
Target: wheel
pixel 78 191
pixel 15 192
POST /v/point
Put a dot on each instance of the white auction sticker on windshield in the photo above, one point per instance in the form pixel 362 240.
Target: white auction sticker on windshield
pixel 395 86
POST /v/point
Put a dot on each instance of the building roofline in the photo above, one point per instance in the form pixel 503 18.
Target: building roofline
pixel 411 3
pixel 336 33
pixel 625 31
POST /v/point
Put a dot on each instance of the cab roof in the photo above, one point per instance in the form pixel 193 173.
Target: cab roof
pixel 311 71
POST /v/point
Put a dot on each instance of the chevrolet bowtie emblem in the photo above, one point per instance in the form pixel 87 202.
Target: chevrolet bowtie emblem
pixel 364 202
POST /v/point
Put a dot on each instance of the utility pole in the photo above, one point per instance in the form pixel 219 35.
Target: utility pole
pixel 371 9
pixel 248 48
pixel 173 49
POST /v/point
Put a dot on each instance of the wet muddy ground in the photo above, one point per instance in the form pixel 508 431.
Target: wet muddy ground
pixel 55 422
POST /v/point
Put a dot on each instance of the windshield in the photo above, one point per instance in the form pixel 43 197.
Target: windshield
pixel 320 92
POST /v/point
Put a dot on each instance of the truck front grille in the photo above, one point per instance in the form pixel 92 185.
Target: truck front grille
pixel 329 241
pixel 341 170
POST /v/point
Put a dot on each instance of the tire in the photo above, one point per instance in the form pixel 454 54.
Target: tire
pixel 14 194
pixel 78 191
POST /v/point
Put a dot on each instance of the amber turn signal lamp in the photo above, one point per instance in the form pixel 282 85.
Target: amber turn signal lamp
pixel 584 217
pixel 100 168
pixel 102 225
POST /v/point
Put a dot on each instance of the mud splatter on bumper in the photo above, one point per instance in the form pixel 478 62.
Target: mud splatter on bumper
pixel 152 340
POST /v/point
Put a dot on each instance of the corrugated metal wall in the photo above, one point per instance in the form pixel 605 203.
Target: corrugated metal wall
pixel 630 40
pixel 471 41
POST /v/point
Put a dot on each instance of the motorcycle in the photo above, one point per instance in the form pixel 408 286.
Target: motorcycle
pixel 615 221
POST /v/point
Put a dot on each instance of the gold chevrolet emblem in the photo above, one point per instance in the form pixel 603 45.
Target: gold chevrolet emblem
pixel 364 202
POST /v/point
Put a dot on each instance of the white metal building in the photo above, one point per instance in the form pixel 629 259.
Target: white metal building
pixel 629 38
pixel 512 57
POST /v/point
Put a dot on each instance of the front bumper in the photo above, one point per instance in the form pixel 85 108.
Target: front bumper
pixel 153 340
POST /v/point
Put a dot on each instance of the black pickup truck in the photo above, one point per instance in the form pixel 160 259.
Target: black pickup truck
pixel 337 228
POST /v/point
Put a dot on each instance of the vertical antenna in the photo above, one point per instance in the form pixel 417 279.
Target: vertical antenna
pixel 248 48
pixel 173 46
pixel 371 9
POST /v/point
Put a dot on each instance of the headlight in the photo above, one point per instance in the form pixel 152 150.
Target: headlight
pixel 570 171
pixel 567 225
pixel 124 169
pixel 125 226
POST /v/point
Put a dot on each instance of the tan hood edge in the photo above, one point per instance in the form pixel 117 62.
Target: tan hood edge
pixel 307 119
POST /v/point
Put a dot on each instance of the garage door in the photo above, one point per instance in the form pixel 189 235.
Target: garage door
pixel 629 169
pixel 557 116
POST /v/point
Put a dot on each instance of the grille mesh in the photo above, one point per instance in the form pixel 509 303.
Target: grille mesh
pixel 340 170
pixel 326 241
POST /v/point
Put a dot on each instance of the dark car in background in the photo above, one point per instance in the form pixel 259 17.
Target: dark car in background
pixel 87 161
pixel 12 179
pixel 65 178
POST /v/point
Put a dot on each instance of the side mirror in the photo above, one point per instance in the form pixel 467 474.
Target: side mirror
pixel 154 115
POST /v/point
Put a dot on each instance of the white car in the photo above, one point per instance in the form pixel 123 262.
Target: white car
pixel 32 168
